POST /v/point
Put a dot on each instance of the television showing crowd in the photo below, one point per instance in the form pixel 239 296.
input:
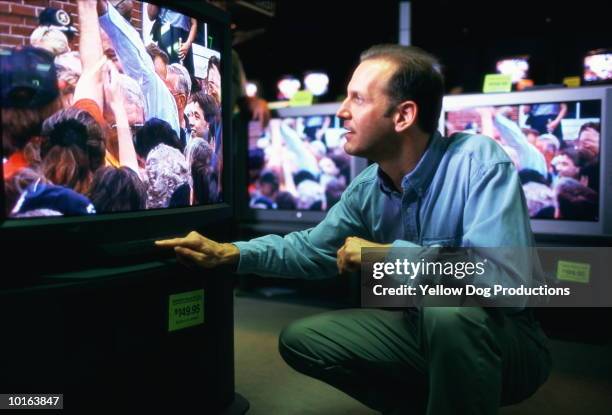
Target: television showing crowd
pixel 112 124
pixel 555 148
pixel 298 163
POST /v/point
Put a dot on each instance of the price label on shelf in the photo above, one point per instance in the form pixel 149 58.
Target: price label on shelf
pixel 185 310
pixel 574 271
pixel 497 83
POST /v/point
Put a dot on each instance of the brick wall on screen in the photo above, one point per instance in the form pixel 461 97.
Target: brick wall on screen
pixel 18 18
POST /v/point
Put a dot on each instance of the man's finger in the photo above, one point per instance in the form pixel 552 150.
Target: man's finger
pixel 169 243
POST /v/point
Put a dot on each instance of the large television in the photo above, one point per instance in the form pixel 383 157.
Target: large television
pixel 559 139
pixel 183 171
pixel 296 168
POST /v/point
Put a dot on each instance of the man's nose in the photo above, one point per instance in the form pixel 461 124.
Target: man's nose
pixel 343 111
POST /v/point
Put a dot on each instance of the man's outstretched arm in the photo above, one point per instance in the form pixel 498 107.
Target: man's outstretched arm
pixel 310 254
pixel 195 249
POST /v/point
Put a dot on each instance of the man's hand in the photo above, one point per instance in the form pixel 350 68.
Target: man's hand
pixel 551 125
pixel 349 255
pixel 102 7
pixel 184 49
pixel 195 249
pixel 113 94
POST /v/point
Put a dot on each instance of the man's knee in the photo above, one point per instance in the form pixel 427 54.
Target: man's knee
pixel 292 337
pixel 319 341
pixel 296 343
pixel 454 323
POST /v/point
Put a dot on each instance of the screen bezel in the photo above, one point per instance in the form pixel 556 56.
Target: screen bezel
pixel 148 224
pixel 604 94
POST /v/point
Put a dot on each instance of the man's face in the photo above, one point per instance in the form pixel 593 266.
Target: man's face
pixel 135 113
pixel 197 123
pixel 565 166
pixel 109 51
pixel 180 98
pixel 363 111
pixel 589 141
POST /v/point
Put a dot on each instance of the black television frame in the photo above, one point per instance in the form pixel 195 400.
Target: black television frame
pixel 73 243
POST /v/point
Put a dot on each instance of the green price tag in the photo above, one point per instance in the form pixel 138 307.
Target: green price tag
pixel 185 310
pixel 571 81
pixel 574 271
pixel 497 83
pixel 301 99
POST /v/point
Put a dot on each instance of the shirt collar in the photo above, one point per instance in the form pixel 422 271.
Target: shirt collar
pixel 420 177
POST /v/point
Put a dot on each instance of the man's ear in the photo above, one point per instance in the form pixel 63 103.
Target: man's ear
pixel 183 100
pixel 405 116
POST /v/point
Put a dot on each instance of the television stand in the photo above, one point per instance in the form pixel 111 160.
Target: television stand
pixel 108 339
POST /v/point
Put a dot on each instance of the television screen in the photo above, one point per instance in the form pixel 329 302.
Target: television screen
pixel 555 147
pixel 131 122
pixel 298 162
pixel 598 67
pixel 117 135
pixel 517 67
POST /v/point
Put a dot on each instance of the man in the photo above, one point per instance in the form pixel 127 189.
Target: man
pixel 203 116
pixel 567 164
pixel 136 63
pixel 59 19
pixel 424 190
pixel 179 83
pixel 588 147
pixel 213 79
pixel 30 92
pixel 174 33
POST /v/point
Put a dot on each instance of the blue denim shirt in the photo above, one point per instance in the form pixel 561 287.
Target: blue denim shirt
pixel 464 192
pixel 138 65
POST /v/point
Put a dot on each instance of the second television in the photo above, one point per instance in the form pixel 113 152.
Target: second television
pixel 559 141
pixel 297 168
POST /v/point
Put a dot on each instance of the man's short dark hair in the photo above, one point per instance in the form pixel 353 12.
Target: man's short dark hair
pixel 572 154
pixel 418 77
pixel 592 125
pixel 154 132
pixel 270 178
pixel 213 61
pixel 209 106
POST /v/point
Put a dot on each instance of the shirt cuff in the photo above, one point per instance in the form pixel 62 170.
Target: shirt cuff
pixel 245 263
pixel 398 243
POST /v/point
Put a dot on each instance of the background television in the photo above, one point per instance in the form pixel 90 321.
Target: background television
pixel 303 145
pixel 66 243
pixel 516 66
pixel 598 67
pixel 583 105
